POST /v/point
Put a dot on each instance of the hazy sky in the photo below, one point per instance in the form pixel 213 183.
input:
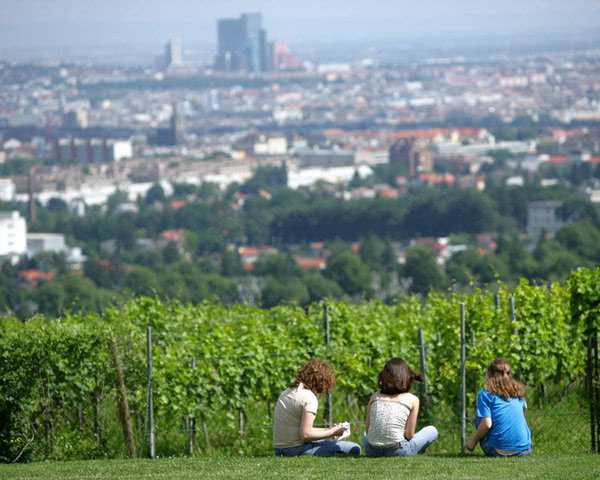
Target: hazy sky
pixel 25 23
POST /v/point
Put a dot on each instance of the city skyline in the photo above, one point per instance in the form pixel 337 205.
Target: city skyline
pixel 34 23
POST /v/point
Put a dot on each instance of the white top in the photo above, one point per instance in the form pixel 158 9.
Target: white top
pixel 288 414
pixel 387 420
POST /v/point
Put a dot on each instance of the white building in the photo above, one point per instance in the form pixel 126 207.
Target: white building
pixel 45 242
pixel 270 145
pixel 7 190
pixel 13 235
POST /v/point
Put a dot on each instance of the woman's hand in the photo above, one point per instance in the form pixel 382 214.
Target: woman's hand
pixel 337 430
pixel 308 433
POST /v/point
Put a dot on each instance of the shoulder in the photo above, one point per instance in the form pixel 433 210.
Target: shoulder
pixel 306 393
pixel 485 397
pixel 484 393
pixel 412 399
pixel 408 399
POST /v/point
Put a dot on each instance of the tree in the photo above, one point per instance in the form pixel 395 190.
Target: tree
pixel 57 205
pixel 98 273
pixel 181 190
pixel 155 194
pixel 266 178
pixel 231 264
pixel 422 267
pixel 279 265
pixel 51 298
pixel 348 271
pixel 276 292
pixel 171 253
pixel 125 231
pixel 320 287
pixel 115 199
pixel 141 281
pixel 371 251
pixel 581 238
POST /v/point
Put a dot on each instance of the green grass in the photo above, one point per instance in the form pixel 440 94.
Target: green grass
pixel 474 467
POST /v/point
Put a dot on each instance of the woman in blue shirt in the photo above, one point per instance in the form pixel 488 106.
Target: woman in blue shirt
pixel 502 430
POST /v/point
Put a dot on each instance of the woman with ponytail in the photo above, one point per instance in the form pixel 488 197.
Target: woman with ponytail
pixel 392 415
pixel 502 430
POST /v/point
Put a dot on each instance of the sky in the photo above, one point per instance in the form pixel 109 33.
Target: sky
pixel 31 23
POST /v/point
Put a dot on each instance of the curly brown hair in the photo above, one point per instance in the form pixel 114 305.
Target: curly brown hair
pixel 498 380
pixel 396 377
pixel 316 376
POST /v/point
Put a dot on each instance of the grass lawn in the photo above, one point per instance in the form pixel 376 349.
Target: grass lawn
pixel 474 467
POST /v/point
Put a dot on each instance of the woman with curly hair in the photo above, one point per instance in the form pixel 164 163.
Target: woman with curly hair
pixel 295 412
pixel 502 430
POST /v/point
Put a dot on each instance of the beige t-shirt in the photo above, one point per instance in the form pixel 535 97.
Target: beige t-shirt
pixel 288 413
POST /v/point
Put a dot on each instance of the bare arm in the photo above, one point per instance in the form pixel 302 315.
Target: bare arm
pixel 368 415
pixel 482 431
pixel 308 432
pixel 411 421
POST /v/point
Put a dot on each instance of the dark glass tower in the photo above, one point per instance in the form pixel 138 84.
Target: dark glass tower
pixel 242 44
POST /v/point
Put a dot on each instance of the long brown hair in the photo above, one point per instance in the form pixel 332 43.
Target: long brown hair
pixel 315 375
pixel 396 377
pixel 499 380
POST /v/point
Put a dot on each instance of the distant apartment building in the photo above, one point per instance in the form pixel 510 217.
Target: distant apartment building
pixel 13 235
pixel 270 145
pixel 93 150
pixel 172 56
pixel 414 154
pixel 45 242
pixel 242 45
pixel 76 119
pixel 7 190
pixel 326 158
pixel 173 53
pixel 55 243
pixel 543 217
pixel 284 58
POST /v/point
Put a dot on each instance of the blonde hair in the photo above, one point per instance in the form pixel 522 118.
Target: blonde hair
pixel 499 380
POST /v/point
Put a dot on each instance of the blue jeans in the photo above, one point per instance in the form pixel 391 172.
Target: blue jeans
pixel 322 448
pixel 492 452
pixel 422 439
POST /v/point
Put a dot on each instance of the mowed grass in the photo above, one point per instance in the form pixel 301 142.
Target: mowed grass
pixel 414 468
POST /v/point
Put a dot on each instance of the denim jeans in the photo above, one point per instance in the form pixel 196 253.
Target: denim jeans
pixel 492 452
pixel 322 448
pixel 422 439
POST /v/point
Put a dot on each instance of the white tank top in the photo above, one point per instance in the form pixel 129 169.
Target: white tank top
pixel 387 421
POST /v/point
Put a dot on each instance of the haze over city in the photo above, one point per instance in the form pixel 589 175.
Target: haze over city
pixel 36 26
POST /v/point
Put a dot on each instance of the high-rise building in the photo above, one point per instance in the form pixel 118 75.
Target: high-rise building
pixel 177 126
pixel 243 45
pixel 173 55
pixel 413 154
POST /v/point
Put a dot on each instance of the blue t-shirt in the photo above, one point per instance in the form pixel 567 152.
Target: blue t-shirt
pixel 509 428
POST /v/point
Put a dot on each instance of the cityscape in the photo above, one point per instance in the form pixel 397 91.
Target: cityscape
pixel 236 231
pixel 260 135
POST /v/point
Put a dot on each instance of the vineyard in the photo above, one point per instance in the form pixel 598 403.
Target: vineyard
pixel 217 370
